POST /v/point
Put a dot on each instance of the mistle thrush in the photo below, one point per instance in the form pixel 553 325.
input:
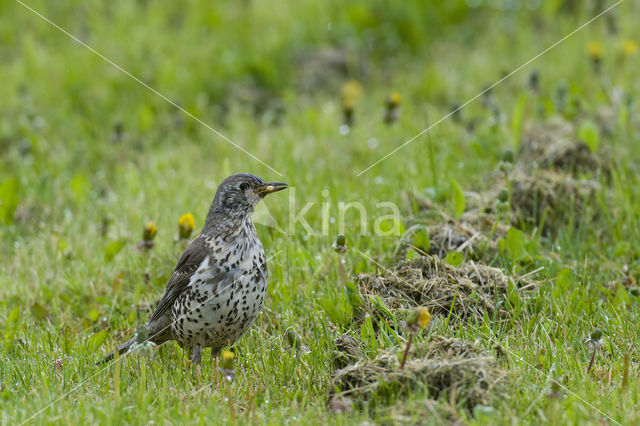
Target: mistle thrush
pixel 219 284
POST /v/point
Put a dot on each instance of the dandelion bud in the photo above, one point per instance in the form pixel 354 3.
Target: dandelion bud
pixel 149 232
pixel 104 225
pixel 340 246
pixel 508 155
pixel 227 360
pixel 534 80
pixel 456 115
pixel 503 195
pixel 595 50
pixel 294 339
pixel 186 224
pixel 416 320
pixel 351 91
pixel 596 334
pixel 392 111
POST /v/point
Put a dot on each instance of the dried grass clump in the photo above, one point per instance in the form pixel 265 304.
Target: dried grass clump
pixel 606 118
pixel 550 196
pixel 467 377
pixel 347 351
pixel 445 347
pixel 553 145
pixel 475 234
pixel 472 289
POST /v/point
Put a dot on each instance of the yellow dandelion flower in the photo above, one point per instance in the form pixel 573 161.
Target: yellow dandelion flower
pixel 351 91
pixel 394 99
pixel 419 317
pixel 227 359
pixel 595 50
pixel 630 47
pixel 423 316
pixel 186 224
pixel 149 232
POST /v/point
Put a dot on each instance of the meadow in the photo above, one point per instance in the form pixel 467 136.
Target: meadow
pixel 480 157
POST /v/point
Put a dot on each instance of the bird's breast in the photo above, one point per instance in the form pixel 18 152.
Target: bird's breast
pixel 224 296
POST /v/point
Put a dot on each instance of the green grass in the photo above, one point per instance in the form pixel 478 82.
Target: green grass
pixel 236 66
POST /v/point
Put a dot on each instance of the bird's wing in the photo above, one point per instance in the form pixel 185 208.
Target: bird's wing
pixel 189 262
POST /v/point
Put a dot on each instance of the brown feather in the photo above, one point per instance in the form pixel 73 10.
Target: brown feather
pixel 189 262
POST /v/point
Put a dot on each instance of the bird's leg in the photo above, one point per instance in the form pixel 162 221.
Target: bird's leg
pixel 196 358
pixel 214 355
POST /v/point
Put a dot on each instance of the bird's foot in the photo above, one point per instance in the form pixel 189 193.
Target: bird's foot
pixel 215 371
pixel 196 358
pixel 199 375
pixel 196 355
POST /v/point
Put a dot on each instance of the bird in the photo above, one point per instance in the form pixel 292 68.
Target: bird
pixel 219 284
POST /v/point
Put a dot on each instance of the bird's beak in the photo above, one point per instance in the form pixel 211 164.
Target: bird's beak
pixel 270 187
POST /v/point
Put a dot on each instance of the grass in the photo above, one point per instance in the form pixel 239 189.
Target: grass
pixel 82 144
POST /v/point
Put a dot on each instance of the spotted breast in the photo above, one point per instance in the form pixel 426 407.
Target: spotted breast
pixel 224 295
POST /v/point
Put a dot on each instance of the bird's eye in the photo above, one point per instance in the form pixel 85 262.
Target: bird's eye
pixel 244 186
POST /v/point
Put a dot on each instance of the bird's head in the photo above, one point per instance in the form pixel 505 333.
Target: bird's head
pixel 239 194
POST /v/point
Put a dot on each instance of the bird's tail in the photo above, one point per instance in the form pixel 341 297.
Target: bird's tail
pixel 121 349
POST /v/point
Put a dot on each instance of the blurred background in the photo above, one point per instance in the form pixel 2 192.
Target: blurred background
pixel 317 92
